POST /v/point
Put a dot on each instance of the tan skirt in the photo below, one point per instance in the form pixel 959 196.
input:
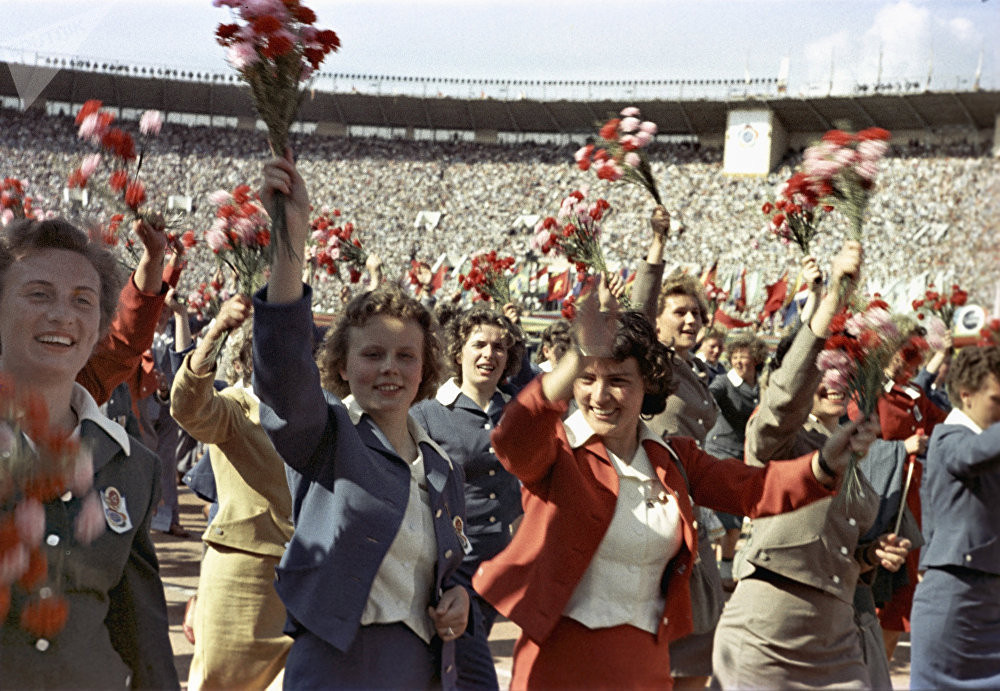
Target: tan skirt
pixel 783 634
pixel 238 623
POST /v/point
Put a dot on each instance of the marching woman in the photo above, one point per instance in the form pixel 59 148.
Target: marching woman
pixel 58 293
pixel 369 578
pixel 598 574
pixel 956 607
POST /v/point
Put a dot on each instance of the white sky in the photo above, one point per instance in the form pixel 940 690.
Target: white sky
pixel 557 39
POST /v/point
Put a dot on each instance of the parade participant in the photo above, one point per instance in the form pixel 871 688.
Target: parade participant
pixel 238 621
pixel 678 310
pixel 598 574
pixel 710 351
pixel 370 577
pixel 956 607
pixel 58 293
pixel 791 619
pixel 736 394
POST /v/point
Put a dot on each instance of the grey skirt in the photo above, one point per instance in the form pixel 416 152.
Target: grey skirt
pixel 777 633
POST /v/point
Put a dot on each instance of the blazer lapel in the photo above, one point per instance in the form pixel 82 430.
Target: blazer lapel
pixel 600 465
pixel 436 469
pixel 102 446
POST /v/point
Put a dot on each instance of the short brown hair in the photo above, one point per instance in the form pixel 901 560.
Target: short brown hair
pixel 751 342
pixel 971 369
pixel 26 236
pixel 387 301
pixel 461 326
pixel 556 336
pixel 679 283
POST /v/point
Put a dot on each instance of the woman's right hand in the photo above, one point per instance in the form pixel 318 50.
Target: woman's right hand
pixel 851 437
pixel 281 175
pixel 594 323
pixel 232 314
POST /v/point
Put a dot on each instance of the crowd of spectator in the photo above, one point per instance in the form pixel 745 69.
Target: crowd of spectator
pixel 936 209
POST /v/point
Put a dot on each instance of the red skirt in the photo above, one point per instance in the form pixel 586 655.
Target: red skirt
pixel 575 657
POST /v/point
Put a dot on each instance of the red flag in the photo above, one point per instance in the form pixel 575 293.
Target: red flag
pixel 708 278
pixel 741 299
pixel 558 286
pixel 437 280
pixel 776 294
pixel 728 321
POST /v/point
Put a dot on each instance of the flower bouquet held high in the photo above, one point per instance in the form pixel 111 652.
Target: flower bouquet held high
pixel 55 467
pixel 575 233
pixel 854 362
pixel 989 335
pixel 490 277
pixel 842 168
pixel 618 153
pixel 14 203
pixel 796 212
pixel 240 238
pixel 940 305
pixel 275 50
pixel 335 244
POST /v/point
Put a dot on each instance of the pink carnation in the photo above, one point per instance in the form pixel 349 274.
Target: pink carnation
pixel 648 127
pixel 629 124
pixel 90 521
pixel 92 128
pixel 630 112
pixel 644 138
pixel 219 197
pixel 216 240
pixel 835 380
pixel 29 517
pixel 632 159
pixel 241 55
pixel 151 122
pixel 89 165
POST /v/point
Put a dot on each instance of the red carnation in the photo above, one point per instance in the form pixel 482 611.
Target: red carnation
pixel 119 143
pixel 45 618
pixel 225 32
pixel 277 46
pixel 838 138
pixel 610 129
pixel 135 194
pixel 767 208
pixel 89 108
pixel 266 24
pixel 118 180
pixel 874 133
pixel 329 39
pixel 188 239
pixel 304 14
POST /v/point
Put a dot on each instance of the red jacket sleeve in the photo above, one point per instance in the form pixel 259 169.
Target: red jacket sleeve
pixel 130 335
pixel 727 484
pixel 527 439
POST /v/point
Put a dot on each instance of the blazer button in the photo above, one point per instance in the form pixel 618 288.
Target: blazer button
pixel 493 495
pixel 449 668
pixel 447 554
pixel 843 550
pixel 487 426
pixel 968 557
pixel 493 472
pixel 694 524
pixel 41 645
pixel 493 519
pixel 437 514
pixel 491 450
pixel 851 521
pixel 52 540
pixel 836 579
pixel 666 620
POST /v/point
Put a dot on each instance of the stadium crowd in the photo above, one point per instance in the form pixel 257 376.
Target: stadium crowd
pixel 384 489
pixel 943 195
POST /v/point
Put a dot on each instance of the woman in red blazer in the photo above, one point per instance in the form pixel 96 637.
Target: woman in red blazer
pixel 597 576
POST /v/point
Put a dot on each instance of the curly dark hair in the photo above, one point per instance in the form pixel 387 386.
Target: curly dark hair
pixel 387 301
pixel 26 236
pixel 461 326
pixel 971 368
pixel 636 338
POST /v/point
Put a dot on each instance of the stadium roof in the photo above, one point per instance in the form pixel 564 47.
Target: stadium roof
pixel 214 96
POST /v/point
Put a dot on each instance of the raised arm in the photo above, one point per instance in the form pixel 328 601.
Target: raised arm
pixel 293 409
pixel 649 275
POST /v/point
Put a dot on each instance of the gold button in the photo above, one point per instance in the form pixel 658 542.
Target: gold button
pixel 492 495
pixel 493 519
pixel 492 473
pixel 437 514
pixel 448 553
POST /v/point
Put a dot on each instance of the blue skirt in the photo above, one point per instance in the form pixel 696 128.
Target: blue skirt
pixel 955 630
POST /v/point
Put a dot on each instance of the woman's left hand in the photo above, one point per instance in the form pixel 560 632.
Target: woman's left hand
pixel 451 614
pixel 891 551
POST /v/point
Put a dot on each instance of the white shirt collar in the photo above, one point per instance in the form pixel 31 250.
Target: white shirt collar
pixel 449 392
pixel 734 378
pixel 248 390
pixel 419 434
pixel 85 408
pixel 578 432
pixel 957 417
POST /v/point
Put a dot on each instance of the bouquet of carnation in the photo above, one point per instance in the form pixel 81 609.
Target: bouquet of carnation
pixel 30 478
pixel 797 212
pixel 206 299
pixel 989 335
pixel 96 127
pixel 490 277
pixel 855 358
pixel 940 305
pixel 841 169
pixel 618 153
pixel 716 297
pixel 240 237
pixel 275 50
pixel 13 201
pixel 569 307
pixel 334 244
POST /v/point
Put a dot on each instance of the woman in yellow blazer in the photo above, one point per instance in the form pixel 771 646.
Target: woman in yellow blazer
pixel 239 618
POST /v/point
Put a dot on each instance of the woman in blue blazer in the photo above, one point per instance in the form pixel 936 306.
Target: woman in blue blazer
pixel 955 634
pixel 369 578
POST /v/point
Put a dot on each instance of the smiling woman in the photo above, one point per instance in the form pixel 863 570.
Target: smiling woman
pixel 58 293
